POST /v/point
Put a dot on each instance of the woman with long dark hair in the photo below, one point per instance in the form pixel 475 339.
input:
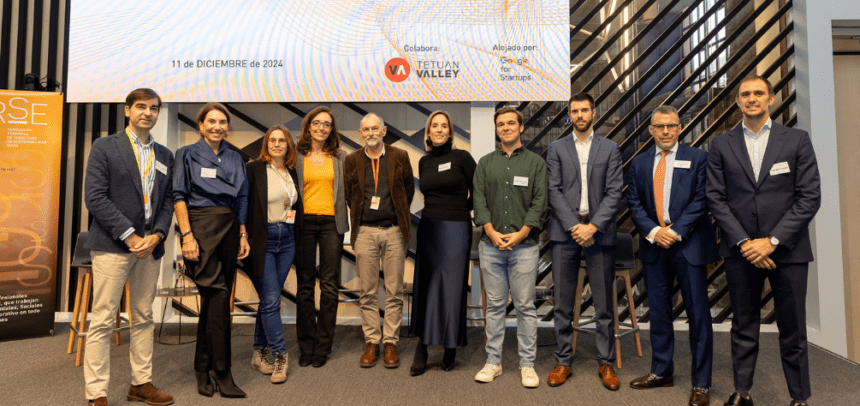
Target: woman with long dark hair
pixel 319 164
pixel 210 191
pixel 274 216
pixel 444 241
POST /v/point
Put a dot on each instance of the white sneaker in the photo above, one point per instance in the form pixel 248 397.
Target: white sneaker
pixel 260 361
pixel 530 377
pixel 280 373
pixel 488 373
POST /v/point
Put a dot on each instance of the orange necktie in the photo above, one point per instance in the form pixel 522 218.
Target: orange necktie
pixel 659 180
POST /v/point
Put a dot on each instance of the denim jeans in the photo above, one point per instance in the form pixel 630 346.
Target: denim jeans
pixel 515 270
pixel 280 252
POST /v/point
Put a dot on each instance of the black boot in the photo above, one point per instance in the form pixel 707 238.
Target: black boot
pixel 419 361
pixel 448 358
pixel 204 386
pixel 225 385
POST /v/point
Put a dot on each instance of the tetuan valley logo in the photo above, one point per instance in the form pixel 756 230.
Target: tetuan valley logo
pixel 397 69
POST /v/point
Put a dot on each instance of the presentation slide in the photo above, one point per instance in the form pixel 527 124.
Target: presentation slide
pixel 320 51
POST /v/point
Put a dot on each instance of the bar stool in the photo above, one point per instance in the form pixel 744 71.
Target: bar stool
pixel 234 303
pixel 624 262
pixel 180 290
pixel 82 261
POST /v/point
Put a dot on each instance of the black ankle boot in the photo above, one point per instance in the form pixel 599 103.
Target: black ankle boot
pixel 419 361
pixel 204 386
pixel 225 385
pixel 448 358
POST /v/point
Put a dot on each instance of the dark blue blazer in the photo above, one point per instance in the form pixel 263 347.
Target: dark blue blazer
pixel 114 196
pixel 565 189
pixel 780 205
pixel 688 207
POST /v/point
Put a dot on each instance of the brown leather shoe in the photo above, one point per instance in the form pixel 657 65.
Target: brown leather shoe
pixel 558 375
pixel 651 381
pixel 700 396
pixel 149 394
pixel 390 359
pixel 608 377
pixel 102 401
pixel 370 356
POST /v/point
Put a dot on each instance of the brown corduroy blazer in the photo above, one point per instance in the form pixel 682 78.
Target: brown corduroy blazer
pixel 401 183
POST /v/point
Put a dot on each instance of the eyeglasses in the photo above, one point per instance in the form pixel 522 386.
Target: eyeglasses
pixel 324 124
pixel 670 127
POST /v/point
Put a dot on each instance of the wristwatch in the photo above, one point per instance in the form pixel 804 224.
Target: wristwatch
pixel 161 235
pixel 773 240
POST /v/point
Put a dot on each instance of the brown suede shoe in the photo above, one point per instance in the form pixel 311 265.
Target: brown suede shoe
pixel 608 377
pixel 370 356
pixel 700 396
pixel 558 375
pixel 148 394
pixel 102 401
pixel 390 359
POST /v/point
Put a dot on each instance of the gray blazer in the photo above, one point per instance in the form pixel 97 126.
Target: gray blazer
pixel 565 190
pixel 340 213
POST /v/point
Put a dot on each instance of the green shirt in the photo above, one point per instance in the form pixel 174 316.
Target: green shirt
pixel 511 192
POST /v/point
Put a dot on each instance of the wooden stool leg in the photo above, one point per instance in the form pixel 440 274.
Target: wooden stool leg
pixel 76 310
pixel 615 323
pixel 631 306
pixel 85 305
pixel 483 300
pixel 577 309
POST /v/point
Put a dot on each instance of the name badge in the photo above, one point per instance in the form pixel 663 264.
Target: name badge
pixel 521 181
pixel 291 217
pixel 374 203
pixel 161 168
pixel 779 168
pixel 444 167
pixel 208 173
pixel 682 164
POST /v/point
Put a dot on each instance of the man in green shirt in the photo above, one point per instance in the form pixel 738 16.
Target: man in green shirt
pixel 510 203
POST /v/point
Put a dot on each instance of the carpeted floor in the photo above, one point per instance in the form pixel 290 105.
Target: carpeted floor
pixel 40 372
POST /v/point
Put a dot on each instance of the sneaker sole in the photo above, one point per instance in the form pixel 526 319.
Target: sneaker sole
pixel 488 381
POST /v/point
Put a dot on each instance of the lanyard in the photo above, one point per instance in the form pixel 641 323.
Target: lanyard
pixel 375 165
pixel 284 183
pixel 136 158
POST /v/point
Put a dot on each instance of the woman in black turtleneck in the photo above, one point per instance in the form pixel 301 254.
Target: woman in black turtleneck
pixel 444 241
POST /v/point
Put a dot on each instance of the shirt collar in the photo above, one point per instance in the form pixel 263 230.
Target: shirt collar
pixel 519 149
pixel 380 155
pixel 137 140
pixel 674 149
pixel 587 140
pixel 201 144
pixel 765 127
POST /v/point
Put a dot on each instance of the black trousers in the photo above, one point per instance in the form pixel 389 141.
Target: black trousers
pixel 789 284
pixel 315 328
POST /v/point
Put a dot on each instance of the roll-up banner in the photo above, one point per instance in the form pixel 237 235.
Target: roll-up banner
pixel 31 125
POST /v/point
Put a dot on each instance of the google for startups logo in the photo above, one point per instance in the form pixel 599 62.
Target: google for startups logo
pixel 397 69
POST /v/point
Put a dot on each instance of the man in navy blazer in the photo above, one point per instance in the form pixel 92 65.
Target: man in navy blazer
pixel 764 189
pixel 128 190
pixel 667 203
pixel 585 181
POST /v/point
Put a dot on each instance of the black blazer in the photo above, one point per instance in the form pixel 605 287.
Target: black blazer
pixel 258 222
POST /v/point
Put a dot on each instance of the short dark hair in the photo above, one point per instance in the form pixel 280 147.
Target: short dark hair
pixel 508 109
pixel 665 109
pixel 581 97
pixel 142 94
pixel 751 78
pixel 209 107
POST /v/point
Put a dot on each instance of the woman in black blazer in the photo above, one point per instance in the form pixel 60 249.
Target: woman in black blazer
pixel 274 213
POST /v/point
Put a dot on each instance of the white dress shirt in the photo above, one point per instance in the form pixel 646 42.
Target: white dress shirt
pixel 667 187
pixel 582 150
pixel 756 144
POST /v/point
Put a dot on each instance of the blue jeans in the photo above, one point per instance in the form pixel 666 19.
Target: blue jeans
pixel 515 270
pixel 280 252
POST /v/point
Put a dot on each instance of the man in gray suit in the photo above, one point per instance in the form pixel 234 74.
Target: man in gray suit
pixel 585 183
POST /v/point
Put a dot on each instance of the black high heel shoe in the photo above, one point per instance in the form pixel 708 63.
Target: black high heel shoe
pixel 224 384
pixel 204 386
pixel 448 360
pixel 419 361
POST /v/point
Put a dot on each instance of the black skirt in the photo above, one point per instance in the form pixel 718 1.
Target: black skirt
pixel 216 230
pixel 441 281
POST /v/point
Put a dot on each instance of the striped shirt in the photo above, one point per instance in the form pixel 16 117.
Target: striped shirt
pixel 146 165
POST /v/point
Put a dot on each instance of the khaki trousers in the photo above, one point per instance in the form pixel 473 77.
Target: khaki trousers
pixel 375 246
pixel 110 271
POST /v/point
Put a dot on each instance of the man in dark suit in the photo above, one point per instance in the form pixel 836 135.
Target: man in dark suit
pixel 676 240
pixel 764 189
pixel 585 183
pixel 128 190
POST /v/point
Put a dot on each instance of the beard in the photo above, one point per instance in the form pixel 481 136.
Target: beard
pixel 372 141
pixel 582 125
